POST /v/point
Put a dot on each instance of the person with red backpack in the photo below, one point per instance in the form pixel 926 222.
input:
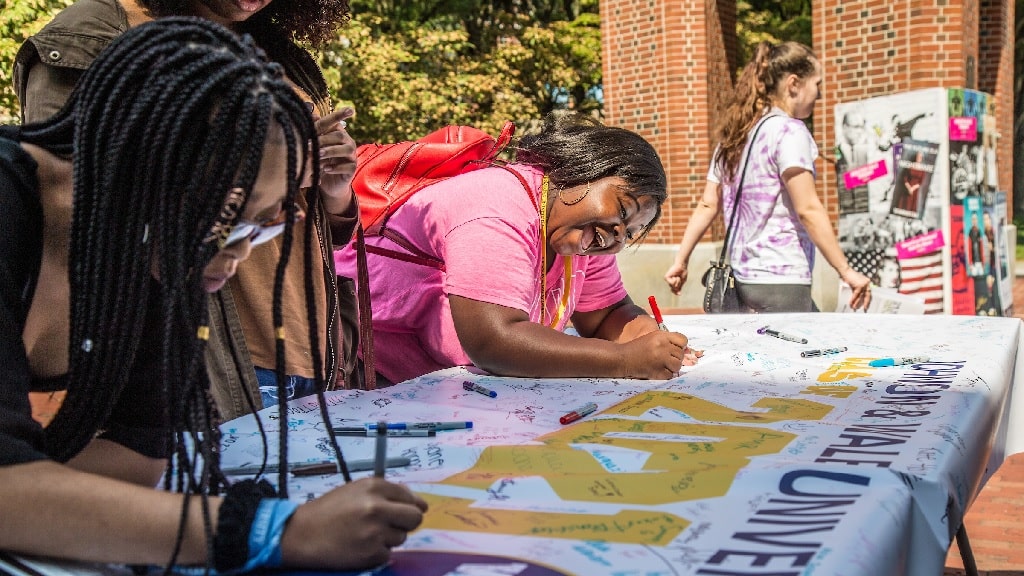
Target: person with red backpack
pixel 519 252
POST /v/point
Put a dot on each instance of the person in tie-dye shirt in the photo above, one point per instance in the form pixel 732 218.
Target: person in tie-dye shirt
pixel 780 219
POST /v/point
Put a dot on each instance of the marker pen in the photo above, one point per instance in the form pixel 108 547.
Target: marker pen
pixel 456 425
pixel 381 454
pixel 897 361
pixel 781 335
pixel 578 413
pixel 474 387
pixel 314 468
pixel 823 352
pixel 657 314
pixel 353 466
pixel 371 432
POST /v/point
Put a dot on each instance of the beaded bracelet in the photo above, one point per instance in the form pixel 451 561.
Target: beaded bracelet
pixel 250 524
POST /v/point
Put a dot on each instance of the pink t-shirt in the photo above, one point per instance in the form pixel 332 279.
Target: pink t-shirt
pixel 486 228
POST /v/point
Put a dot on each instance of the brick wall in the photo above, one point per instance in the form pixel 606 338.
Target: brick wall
pixel 875 47
pixel 995 76
pixel 667 62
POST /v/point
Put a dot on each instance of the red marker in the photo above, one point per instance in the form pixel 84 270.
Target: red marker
pixel 578 413
pixel 657 314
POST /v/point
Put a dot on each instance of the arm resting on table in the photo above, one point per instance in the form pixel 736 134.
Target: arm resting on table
pixel 502 340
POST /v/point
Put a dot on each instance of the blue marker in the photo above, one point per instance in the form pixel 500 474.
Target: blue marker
pixel 473 387
pixel 898 361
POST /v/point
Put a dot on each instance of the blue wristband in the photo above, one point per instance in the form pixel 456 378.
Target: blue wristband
pixel 266 531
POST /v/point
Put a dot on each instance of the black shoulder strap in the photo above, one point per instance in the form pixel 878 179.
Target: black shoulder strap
pixel 739 189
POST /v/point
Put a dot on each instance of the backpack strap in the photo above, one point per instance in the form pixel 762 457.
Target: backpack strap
pixel 365 313
pixel 414 254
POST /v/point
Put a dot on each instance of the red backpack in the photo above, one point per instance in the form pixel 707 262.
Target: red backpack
pixel 386 176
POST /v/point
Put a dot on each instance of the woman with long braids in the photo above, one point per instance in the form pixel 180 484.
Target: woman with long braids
pixel 779 219
pixel 186 148
pixel 45 71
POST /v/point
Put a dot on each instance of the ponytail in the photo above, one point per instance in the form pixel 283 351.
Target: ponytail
pixel 752 96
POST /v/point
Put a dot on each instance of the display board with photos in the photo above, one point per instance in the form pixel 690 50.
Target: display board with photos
pixel 921 207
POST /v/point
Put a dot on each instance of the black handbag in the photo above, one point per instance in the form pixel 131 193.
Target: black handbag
pixel 719 283
pixel 720 289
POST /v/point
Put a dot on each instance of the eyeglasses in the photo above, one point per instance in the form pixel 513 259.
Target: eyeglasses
pixel 259 232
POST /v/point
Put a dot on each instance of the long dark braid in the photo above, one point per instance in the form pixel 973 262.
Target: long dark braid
pixel 172 116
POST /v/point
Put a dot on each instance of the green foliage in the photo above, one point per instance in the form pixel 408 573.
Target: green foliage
pixel 1019 223
pixel 19 19
pixel 411 67
pixel 772 21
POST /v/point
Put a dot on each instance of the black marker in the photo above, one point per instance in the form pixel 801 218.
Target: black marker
pixel 825 352
pixel 781 335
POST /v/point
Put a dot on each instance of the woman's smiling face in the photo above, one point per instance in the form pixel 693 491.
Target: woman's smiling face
pixel 604 221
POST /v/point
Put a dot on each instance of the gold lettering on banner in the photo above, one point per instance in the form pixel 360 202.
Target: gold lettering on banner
pixel 848 369
pixel 775 409
pixel 688 461
pixel 832 391
pixel 627 526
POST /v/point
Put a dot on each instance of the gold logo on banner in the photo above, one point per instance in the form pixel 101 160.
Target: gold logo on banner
pixel 688 461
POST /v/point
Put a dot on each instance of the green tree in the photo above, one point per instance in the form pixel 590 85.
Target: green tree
pixel 19 19
pixel 410 67
pixel 771 20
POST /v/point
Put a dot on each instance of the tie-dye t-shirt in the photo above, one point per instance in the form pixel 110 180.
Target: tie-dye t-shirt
pixel 769 245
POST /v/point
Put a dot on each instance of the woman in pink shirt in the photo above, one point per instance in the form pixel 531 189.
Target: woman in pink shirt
pixel 577 193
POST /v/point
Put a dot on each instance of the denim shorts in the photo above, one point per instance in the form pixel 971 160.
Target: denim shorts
pixel 296 386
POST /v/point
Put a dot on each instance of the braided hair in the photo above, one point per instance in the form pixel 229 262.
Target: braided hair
pixel 170 118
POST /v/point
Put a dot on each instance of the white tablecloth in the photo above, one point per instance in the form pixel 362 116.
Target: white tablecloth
pixel 755 461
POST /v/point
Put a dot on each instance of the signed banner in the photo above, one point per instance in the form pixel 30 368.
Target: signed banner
pixel 755 461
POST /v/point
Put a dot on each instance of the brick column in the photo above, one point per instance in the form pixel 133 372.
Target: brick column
pixel 995 76
pixel 666 63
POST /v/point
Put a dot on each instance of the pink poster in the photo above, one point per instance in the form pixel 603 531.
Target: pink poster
pixel 963 129
pixel 861 175
pixel 920 245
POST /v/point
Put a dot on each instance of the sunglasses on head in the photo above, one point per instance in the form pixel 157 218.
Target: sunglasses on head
pixel 259 232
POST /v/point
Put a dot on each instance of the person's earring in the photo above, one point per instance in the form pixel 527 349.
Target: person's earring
pixel 577 200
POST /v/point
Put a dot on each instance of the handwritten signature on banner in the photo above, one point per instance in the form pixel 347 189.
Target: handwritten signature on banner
pixel 609 477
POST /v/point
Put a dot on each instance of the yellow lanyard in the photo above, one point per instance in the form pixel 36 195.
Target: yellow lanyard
pixel 567 284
